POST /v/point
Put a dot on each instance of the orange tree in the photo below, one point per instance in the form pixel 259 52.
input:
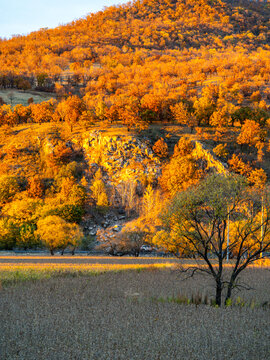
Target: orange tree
pixel 182 170
pixel 70 110
pixel 161 148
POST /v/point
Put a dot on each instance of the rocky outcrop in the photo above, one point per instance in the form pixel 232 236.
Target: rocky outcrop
pixel 122 157
pixel 200 152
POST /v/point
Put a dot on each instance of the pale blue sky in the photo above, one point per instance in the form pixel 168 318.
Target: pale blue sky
pixel 24 16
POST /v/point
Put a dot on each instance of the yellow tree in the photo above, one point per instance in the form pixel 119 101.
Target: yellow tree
pixel 42 112
pixel 182 116
pixel 251 133
pixel 179 174
pixel 56 233
pixel 182 170
pixel 98 190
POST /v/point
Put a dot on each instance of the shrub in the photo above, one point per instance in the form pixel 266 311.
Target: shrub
pixel 87 242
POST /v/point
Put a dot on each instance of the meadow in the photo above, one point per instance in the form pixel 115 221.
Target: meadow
pixel 15 97
pixel 125 308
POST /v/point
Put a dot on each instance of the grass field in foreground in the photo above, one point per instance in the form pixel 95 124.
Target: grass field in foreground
pixel 128 315
pixel 14 269
pixel 11 273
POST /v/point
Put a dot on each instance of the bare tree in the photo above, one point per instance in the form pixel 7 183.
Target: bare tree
pixel 11 97
pixel 196 224
pixel 127 242
pixel 128 196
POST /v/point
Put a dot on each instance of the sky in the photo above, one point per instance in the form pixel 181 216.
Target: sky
pixel 24 16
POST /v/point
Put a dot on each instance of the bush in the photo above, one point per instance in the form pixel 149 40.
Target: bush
pixel 161 148
pixel 87 242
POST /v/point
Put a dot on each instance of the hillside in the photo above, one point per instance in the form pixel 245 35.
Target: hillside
pixel 147 99
pixel 148 26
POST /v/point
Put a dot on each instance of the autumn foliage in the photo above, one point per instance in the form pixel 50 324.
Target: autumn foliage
pixel 174 74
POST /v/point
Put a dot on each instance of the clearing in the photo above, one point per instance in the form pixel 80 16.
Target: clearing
pixel 15 97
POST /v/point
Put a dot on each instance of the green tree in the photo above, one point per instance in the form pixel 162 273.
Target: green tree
pixel 71 213
pixel 196 222
pixel 9 187
pixel 27 237
pixel 9 232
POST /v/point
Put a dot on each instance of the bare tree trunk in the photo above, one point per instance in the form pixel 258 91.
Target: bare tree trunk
pixel 262 227
pixel 51 251
pixel 218 292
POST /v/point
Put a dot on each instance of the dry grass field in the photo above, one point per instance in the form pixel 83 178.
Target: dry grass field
pixel 133 314
pixel 18 268
pixel 21 97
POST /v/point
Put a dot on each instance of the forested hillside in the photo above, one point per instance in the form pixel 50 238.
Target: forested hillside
pixel 149 97
pixel 141 25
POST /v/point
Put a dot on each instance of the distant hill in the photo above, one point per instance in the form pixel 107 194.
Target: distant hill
pixel 152 26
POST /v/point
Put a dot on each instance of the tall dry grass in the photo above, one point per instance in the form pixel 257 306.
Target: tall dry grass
pixel 116 315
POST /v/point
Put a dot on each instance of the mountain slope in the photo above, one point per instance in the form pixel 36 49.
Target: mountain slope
pixel 150 25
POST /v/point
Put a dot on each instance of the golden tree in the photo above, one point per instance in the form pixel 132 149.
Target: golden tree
pixel 251 133
pixel 98 190
pixel 56 233
pixel 70 110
